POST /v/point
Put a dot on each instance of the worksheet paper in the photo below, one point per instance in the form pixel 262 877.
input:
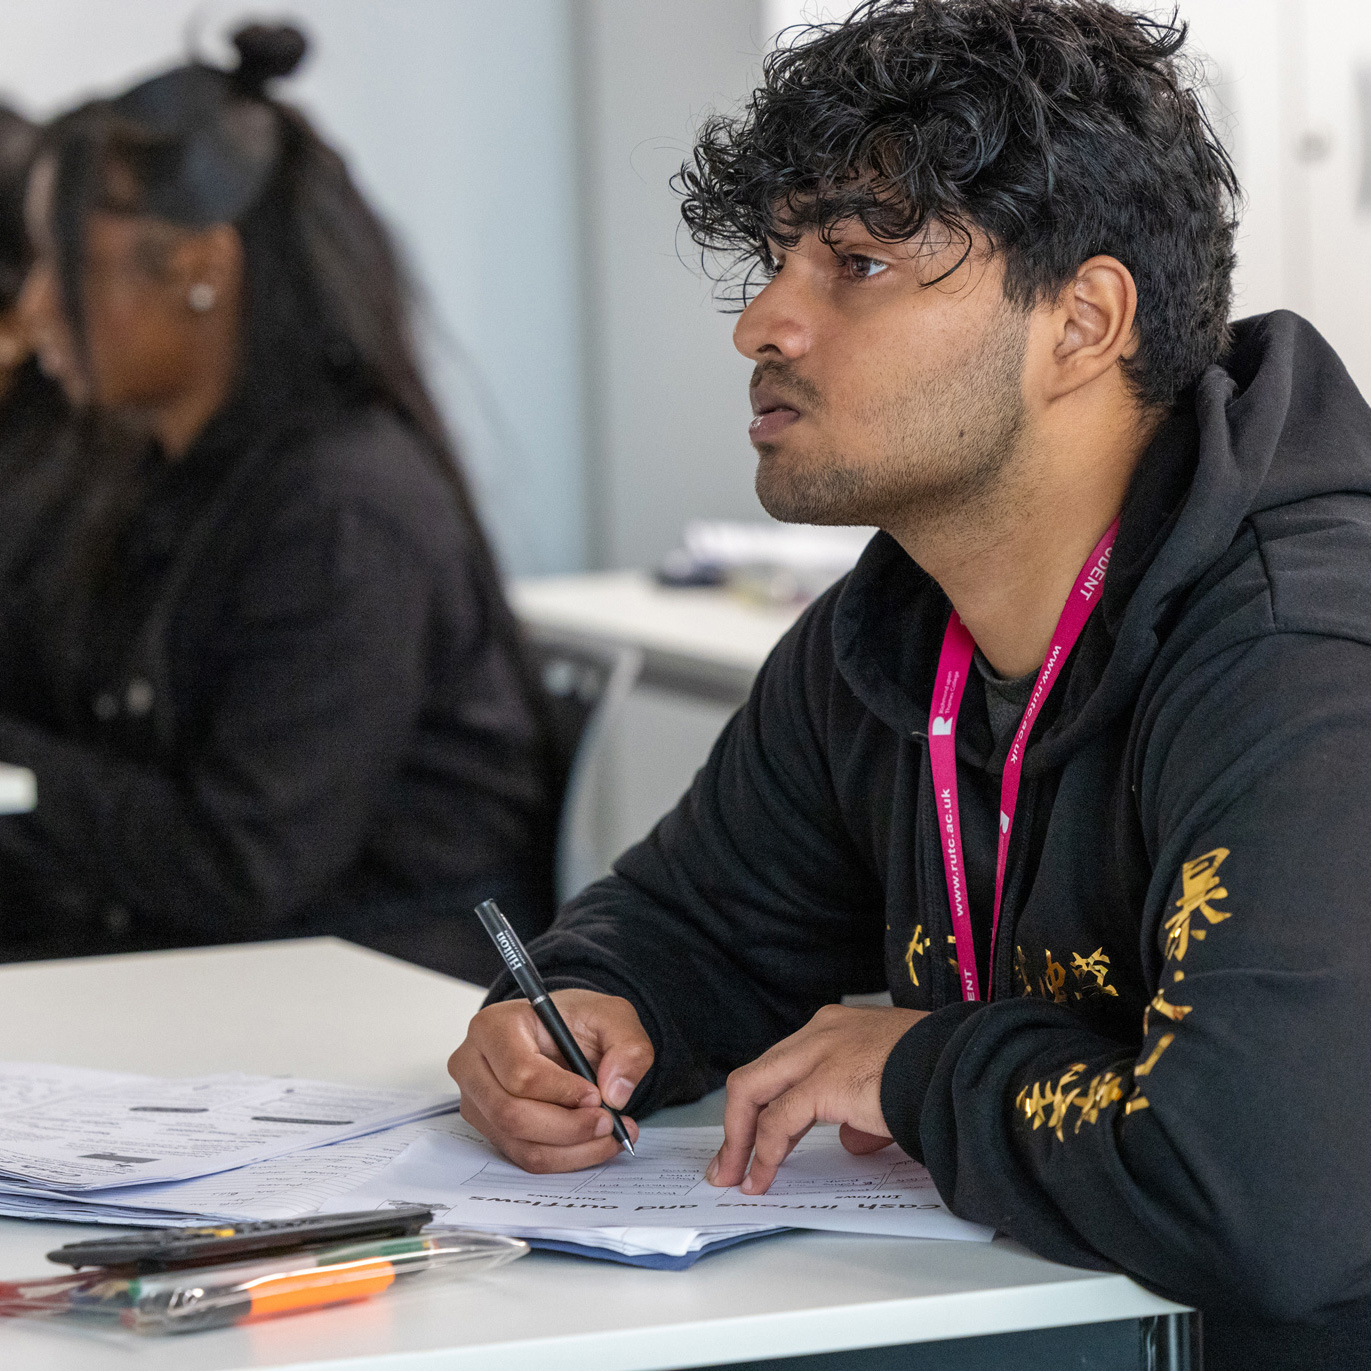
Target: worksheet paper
pixel 279 1188
pixel 27 1083
pixel 61 1130
pixel 820 1185
pixel 303 1182
pixel 658 1201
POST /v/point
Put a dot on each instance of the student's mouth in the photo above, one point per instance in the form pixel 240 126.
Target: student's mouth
pixel 772 414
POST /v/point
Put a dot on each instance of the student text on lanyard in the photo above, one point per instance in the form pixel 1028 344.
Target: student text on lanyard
pixel 954 664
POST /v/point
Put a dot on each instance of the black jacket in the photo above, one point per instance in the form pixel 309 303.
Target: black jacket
pixel 293 711
pixel 1172 1075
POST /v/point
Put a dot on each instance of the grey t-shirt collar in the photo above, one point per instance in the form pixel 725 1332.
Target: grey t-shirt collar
pixel 1006 698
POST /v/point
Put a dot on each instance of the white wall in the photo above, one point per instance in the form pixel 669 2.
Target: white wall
pixel 1331 186
pixel 779 15
pixel 1287 91
pixel 457 117
pixel 668 392
pixel 1239 45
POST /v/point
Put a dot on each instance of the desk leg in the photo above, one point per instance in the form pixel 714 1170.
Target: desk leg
pixel 1171 1342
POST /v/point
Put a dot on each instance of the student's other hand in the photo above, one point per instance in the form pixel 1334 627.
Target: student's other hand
pixel 519 1092
pixel 828 1072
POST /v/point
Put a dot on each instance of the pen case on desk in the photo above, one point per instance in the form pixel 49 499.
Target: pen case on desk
pixel 213 1244
pixel 187 1300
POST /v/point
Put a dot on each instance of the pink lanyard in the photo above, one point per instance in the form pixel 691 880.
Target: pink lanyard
pixel 954 665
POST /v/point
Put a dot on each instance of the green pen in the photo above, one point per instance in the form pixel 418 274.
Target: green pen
pixel 195 1298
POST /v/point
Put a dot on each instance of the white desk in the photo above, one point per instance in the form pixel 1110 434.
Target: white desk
pixel 698 641
pixel 324 1008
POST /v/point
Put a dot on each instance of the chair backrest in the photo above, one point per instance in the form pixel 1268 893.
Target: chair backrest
pixel 586 683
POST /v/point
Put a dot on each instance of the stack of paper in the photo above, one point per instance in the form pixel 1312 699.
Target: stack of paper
pixel 388 1148
pixel 450 1167
pixel 69 1137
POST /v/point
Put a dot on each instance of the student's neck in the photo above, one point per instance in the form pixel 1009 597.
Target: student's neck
pixel 1008 564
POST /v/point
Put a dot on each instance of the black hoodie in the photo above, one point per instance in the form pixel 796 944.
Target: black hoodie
pixel 1171 1077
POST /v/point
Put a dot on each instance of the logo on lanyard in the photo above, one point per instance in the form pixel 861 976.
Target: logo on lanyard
pixel 954 663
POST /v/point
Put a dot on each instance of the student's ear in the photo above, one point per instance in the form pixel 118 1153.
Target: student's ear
pixel 205 268
pixel 1091 325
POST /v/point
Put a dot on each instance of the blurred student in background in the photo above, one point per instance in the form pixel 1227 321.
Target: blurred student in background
pixel 35 429
pixel 283 694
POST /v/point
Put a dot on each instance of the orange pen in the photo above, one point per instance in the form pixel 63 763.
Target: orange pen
pixel 245 1292
pixel 193 1298
pixel 215 1302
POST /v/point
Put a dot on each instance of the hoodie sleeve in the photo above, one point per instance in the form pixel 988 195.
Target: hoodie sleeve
pixel 1224 1161
pixel 748 907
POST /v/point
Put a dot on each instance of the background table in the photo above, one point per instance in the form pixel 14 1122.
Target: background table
pixel 698 641
pixel 326 1009
pixel 700 650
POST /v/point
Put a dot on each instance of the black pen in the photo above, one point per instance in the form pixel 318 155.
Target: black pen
pixel 531 983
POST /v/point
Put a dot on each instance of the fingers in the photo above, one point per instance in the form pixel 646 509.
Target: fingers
pixel 829 1071
pixel 623 1065
pixel 516 1060
pixel 740 1128
pixel 544 1159
pixel 779 1127
pixel 613 1039
pixel 751 1089
pixel 530 1119
pixel 517 1091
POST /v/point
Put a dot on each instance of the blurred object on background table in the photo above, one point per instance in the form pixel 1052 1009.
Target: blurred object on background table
pixel 698 640
pixel 18 789
pixel 768 563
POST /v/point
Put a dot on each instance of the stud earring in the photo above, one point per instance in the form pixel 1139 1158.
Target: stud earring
pixel 201 297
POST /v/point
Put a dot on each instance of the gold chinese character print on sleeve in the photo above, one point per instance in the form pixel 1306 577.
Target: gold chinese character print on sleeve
pixel 1092 972
pixel 1050 1104
pixel 918 945
pixel 1077 978
pixel 1199 886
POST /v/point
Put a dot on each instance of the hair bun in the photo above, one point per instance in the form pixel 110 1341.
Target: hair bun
pixel 266 51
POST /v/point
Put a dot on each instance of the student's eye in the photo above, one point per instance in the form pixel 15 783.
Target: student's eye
pixel 860 267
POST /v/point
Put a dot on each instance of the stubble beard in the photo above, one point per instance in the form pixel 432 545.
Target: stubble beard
pixel 949 451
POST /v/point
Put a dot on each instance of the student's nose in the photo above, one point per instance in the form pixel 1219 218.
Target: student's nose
pixel 776 321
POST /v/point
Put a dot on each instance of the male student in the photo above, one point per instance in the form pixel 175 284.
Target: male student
pixel 1077 761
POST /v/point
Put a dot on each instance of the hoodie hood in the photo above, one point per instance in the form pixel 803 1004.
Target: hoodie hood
pixel 1276 422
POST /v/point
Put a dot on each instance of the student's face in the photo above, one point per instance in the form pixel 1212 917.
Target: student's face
pixel 140 337
pixel 880 399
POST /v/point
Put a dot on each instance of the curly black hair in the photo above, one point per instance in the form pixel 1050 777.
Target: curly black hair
pixel 1054 129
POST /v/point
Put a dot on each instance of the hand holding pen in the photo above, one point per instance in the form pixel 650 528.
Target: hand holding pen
pixel 516 958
